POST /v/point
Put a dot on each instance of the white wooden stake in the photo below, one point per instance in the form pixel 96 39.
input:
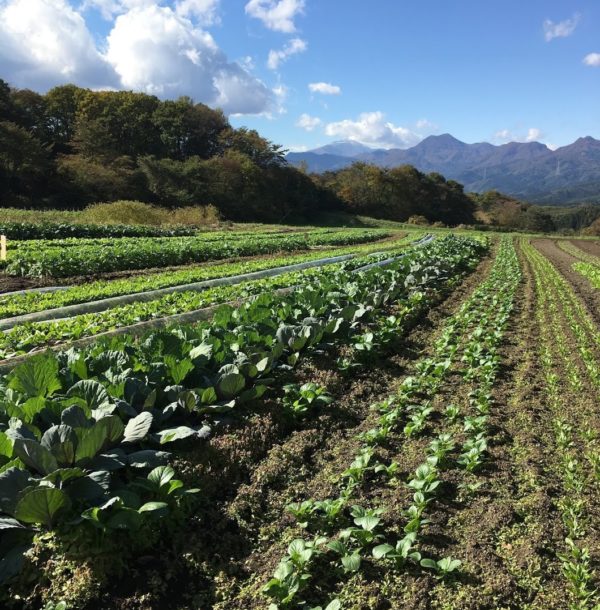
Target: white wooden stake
pixel 2 247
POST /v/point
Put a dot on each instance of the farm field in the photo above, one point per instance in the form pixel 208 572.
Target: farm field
pixel 407 420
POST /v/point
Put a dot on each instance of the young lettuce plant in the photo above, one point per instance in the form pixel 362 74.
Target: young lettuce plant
pixel 443 567
pixel 299 400
pixel 401 552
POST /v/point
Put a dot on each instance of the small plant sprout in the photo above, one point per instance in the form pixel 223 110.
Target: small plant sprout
pixel 350 558
pixel 390 471
pixel 298 400
pixel 301 510
pixel 401 552
pixel 443 567
pixel 452 412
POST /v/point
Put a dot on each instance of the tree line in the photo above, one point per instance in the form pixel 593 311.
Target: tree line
pixel 71 147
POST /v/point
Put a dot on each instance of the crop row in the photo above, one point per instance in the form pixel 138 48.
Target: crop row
pixel 589 271
pixel 588 265
pixel 208 236
pixel 82 433
pixel 573 250
pixel 16 305
pixel 569 383
pixel 144 253
pixel 49 230
pixel 344 533
pixel 27 337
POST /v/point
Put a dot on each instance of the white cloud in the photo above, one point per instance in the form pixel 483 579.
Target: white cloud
pixel 205 11
pixel 110 8
pixel 294 46
pixel 307 122
pixel 157 51
pixel 561 29
pixel 45 43
pixel 202 11
pixel 506 135
pixel 425 124
pixel 150 48
pixel 276 15
pixel 372 129
pixel 325 88
pixel 534 135
pixel 592 59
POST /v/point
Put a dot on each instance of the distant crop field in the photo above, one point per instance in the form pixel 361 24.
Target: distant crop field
pixel 300 419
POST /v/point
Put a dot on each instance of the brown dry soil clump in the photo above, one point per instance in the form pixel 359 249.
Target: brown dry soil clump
pixel 563 261
pixel 252 468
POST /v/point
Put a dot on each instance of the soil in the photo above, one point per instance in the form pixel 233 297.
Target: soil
pixel 9 283
pixel 590 246
pixel 264 462
pixel 563 261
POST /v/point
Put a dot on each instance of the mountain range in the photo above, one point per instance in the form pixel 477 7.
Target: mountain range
pixel 527 170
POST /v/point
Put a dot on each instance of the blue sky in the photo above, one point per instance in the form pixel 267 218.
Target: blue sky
pixel 386 73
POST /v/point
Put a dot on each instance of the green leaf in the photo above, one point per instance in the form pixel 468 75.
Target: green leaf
pixel 6 445
pixel 34 455
pixel 161 475
pixel 178 369
pixel 32 406
pixel 76 418
pixel 334 605
pixel 16 463
pixel 429 563
pixel 113 427
pixel 91 392
pixel 382 550
pixel 351 563
pixel 41 505
pixel 209 396
pixel 12 562
pixel 148 458
pixel 7 523
pixel 12 482
pixel 93 440
pixel 124 519
pixel 231 384
pixel 204 349
pixel 158 508
pixel 176 434
pixel 37 376
pixel 61 441
pixel 137 428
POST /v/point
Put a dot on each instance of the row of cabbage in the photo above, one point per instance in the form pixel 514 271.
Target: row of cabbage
pixel 208 236
pixel 144 253
pixel 83 433
pixel 27 337
pixel 29 302
pixel 63 230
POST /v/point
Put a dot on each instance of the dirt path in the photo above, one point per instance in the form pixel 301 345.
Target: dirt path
pixel 562 261
pixel 589 246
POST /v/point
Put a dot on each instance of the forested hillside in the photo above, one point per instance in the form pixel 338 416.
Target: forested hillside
pixel 71 147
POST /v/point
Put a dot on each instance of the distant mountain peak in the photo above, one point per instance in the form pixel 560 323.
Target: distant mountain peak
pixel 343 148
pixel 526 170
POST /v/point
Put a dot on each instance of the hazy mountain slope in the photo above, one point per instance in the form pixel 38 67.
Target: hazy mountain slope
pixel 526 170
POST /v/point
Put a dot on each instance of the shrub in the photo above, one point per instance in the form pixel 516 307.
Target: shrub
pixel 125 213
pixel 200 215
